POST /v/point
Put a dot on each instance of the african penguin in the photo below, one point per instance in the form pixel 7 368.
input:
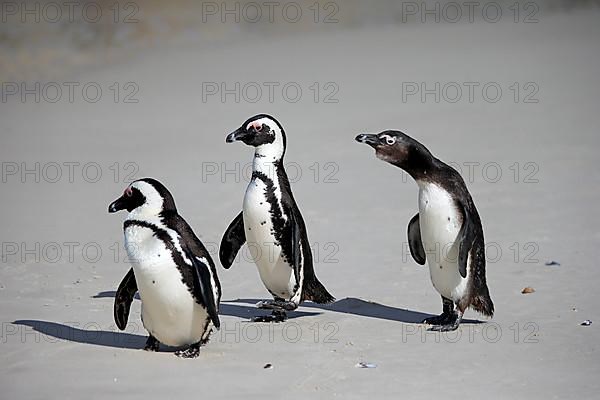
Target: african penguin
pixel 272 225
pixel 447 230
pixel 171 268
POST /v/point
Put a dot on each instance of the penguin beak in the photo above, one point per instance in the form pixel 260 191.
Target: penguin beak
pixel 238 134
pixel 117 205
pixel 370 139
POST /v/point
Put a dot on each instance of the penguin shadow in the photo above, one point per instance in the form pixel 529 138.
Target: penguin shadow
pixel 232 310
pixel 97 337
pixel 111 294
pixel 348 305
pixel 363 308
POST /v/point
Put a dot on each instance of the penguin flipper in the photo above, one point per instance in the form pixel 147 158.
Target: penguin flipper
pixel 466 237
pixel 203 291
pixel 296 250
pixel 414 240
pixel 123 299
pixel 233 239
pixel 313 290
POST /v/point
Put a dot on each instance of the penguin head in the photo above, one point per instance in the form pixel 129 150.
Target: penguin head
pixel 144 197
pixel 263 132
pixel 397 148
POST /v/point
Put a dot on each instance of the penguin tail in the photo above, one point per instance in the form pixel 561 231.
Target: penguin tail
pixel 483 304
pixel 316 292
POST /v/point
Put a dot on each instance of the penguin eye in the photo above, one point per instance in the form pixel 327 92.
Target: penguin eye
pixel 258 128
pixel 389 140
pixel 128 192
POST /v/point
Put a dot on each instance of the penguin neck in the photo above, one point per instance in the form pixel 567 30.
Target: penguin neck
pixel 422 167
pixel 268 157
pixel 419 174
pixel 144 214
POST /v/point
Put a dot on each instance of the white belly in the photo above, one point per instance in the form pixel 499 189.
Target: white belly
pixel 440 222
pixel 274 271
pixel 169 311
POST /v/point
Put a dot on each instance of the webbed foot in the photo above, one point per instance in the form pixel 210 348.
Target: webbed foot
pixel 191 352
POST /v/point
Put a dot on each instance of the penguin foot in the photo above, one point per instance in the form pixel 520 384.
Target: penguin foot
pixel 276 316
pixel 444 328
pixel 277 305
pixel 191 352
pixel 152 344
pixel 444 319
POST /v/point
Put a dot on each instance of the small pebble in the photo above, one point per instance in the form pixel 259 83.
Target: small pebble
pixel 527 290
pixel 268 366
pixel 587 322
pixel 365 365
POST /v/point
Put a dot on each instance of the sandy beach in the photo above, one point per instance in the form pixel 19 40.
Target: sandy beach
pixel 529 154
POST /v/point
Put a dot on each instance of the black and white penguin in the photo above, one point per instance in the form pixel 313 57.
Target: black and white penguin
pixel 171 268
pixel 272 225
pixel 447 230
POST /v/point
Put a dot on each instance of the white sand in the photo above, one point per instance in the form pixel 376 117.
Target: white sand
pixel 170 133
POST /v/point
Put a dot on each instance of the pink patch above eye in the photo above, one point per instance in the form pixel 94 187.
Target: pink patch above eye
pixel 128 192
pixel 256 125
